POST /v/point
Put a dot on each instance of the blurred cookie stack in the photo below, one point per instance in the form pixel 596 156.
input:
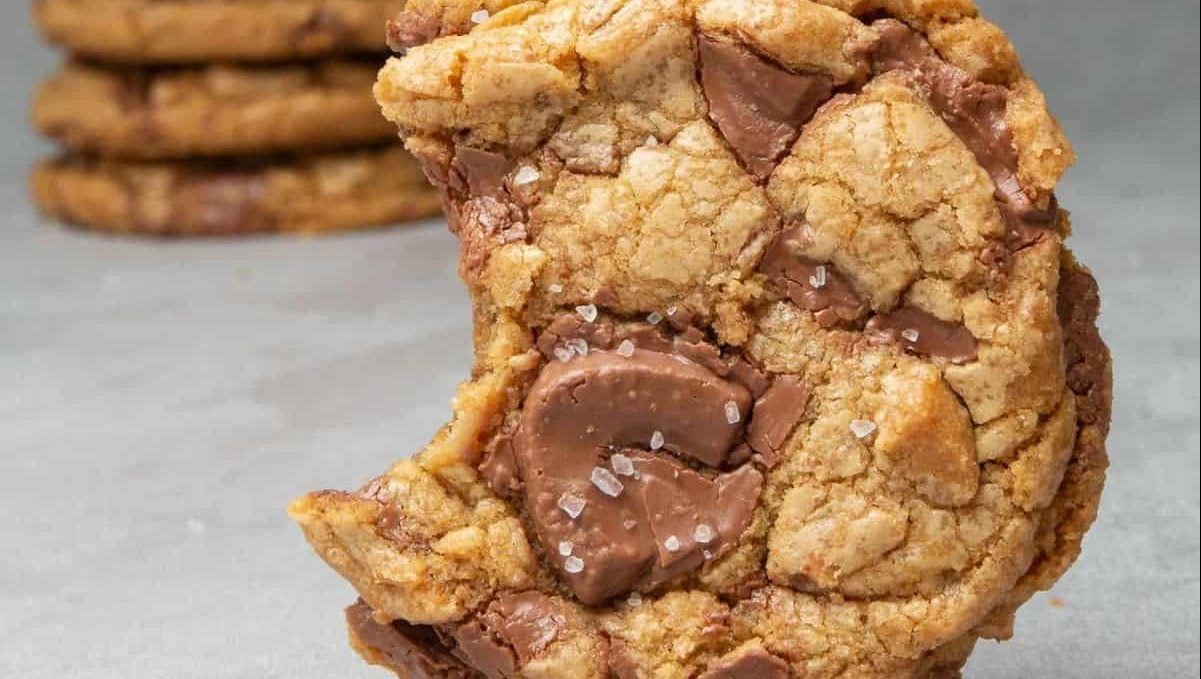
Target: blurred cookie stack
pixel 186 117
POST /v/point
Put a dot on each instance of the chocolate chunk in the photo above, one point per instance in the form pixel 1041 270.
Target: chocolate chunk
pixel 776 415
pixel 218 199
pixel 923 334
pixel 483 224
pixel 975 111
pixel 499 467
pixel 811 285
pixel 408 650
pixel 411 29
pixel 630 529
pixel 483 171
pixel 758 105
pixel 754 664
pixel 509 634
pixel 529 622
pixel 481 649
pixel 598 334
pixel 749 376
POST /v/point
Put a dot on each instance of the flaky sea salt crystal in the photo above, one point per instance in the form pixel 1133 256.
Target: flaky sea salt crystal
pixel 671 310
pixel 622 464
pixel 656 440
pixel 626 348
pixel 672 543
pixel 605 482
pixel 635 599
pixel 818 279
pixel 555 288
pixel 577 346
pixel 479 16
pixel 652 141
pixel 573 564
pixel 566 547
pixel 564 354
pixel 733 415
pixel 654 318
pixel 572 505
pixel 629 524
pixel 703 534
pixel 548 629
pixel 587 312
pixel 910 335
pixel 862 428
pixel 525 175
pixel 707 554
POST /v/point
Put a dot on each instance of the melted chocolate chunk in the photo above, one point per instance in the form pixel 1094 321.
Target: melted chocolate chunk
pixel 811 285
pixel 408 650
pixel 776 414
pixel 754 664
pixel 758 105
pixel 923 334
pixel 499 467
pixel 975 111
pixel 483 171
pixel 412 29
pixel 646 516
pixel 509 634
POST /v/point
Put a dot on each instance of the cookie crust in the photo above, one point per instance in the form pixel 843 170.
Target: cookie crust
pixel 309 194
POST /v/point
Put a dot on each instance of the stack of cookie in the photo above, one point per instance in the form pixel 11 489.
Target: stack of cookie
pixel 221 117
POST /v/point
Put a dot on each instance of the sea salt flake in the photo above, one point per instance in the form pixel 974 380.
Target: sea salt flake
pixel 587 312
pixel 733 415
pixel 671 310
pixel 573 564
pixel 818 279
pixel 564 354
pixel 577 346
pixel 566 547
pixel 703 534
pixel 652 141
pixel 525 175
pixel 707 554
pixel 605 482
pixel 622 464
pixel 572 505
pixel 479 16
pixel 656 440
pixel 672 543
pixel 629 524
pixel 910 335
pixel 626 348
pixel 555 288
pixel 862 428
pixel 654 318
pixel 635 599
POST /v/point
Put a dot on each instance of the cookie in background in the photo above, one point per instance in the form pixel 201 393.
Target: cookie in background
pixel 252 118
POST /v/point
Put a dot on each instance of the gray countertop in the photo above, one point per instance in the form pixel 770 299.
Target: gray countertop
pixel 160 402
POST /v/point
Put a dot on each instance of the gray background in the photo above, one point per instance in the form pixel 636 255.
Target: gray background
pixel 161 402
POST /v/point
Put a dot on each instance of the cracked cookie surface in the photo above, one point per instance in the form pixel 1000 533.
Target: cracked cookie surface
pixel 782 367
pixel 302 194
pixel 220 110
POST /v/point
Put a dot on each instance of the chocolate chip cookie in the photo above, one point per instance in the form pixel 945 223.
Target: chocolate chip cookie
pixel 191 31
pixel 152 114
pixel 307 194
pixel 783 368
